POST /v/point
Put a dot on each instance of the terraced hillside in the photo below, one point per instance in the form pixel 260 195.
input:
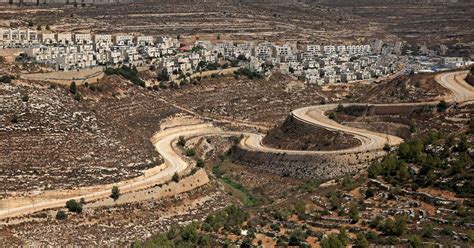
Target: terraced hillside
pixel 51 141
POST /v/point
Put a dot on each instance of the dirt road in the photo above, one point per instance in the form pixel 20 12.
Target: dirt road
pixel 164 143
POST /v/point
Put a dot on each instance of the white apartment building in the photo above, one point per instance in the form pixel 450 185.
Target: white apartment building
pixel 47 38
pixel 145 41
pixel 123 40
pixel 328 49
pixel 114 57
pixel 82 38
pixel 64 38
pixel 102 41
pixel 72 61
pixel 313 48
pixel 279 51
pixel 18 36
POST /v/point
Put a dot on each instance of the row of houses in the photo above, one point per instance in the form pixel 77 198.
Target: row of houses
pixel 27 37
pixel 319 64
pixel 313 63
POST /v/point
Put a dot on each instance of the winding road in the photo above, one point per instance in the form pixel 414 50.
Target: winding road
pixel 165 143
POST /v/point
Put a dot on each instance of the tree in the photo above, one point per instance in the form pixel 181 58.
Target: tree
pixel 73 88
pixel 361 241
pixel 386 147
pixel 342 236
pixel 442 106
pixel 73 206
pixel 331 241
pixel 354 215
pixel 25 98
pixel 115 193
pixel 414 241
pixel 61 215
pixel 5 79
pixel 181 141
pixel 470 233
pixel 395 227
pixel 78 96
pixel 339 108
pixel 200 163
pixel 190 152
pixel 175 177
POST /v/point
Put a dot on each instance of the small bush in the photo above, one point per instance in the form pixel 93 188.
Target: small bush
pixel 442 106
pixel 74 206
pixel 61 215
pixel 175 177
pixel 115 193
pixel 190 152
pixel 200 162
pixel 78 96
pixel 25 98
pixel 5 79
pixel 73 88
pixel 181 141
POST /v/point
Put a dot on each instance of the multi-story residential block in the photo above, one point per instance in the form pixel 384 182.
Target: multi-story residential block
pixel 47 38
pixel 145 40
pixel 64 38
pixel 328 49
pixel 123 40
pixel 102 41
pixel 82 38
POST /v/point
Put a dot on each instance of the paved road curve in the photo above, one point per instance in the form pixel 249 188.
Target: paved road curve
pixel 164 140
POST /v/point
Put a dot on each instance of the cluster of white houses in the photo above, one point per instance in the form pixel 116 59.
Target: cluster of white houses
pixel 313 63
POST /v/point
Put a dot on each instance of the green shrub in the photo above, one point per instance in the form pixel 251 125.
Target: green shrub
pixel 61 215
pixel 78 96
pixel 442 106
pixel 200 162
pixel 73 206
pixel 25 98
pixel 175 177
pixel 115 193
pixel 190 152
pixel 181 141
pixel 5 79
pixel 73 88
pixel 128 73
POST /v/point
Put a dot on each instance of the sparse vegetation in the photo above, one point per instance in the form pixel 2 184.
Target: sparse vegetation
pixel 175 177
pixel 5 79
pixel 61 215
pixel 129 73
pixel 181 141
pixel 74 206
pixel 115 193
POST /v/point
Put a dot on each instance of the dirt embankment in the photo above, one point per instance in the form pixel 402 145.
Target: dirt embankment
pixel 296 135
pixel 317 166
pixel 414 88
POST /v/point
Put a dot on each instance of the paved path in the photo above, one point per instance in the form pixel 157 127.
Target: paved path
pixel 315 115
pixel 173 162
